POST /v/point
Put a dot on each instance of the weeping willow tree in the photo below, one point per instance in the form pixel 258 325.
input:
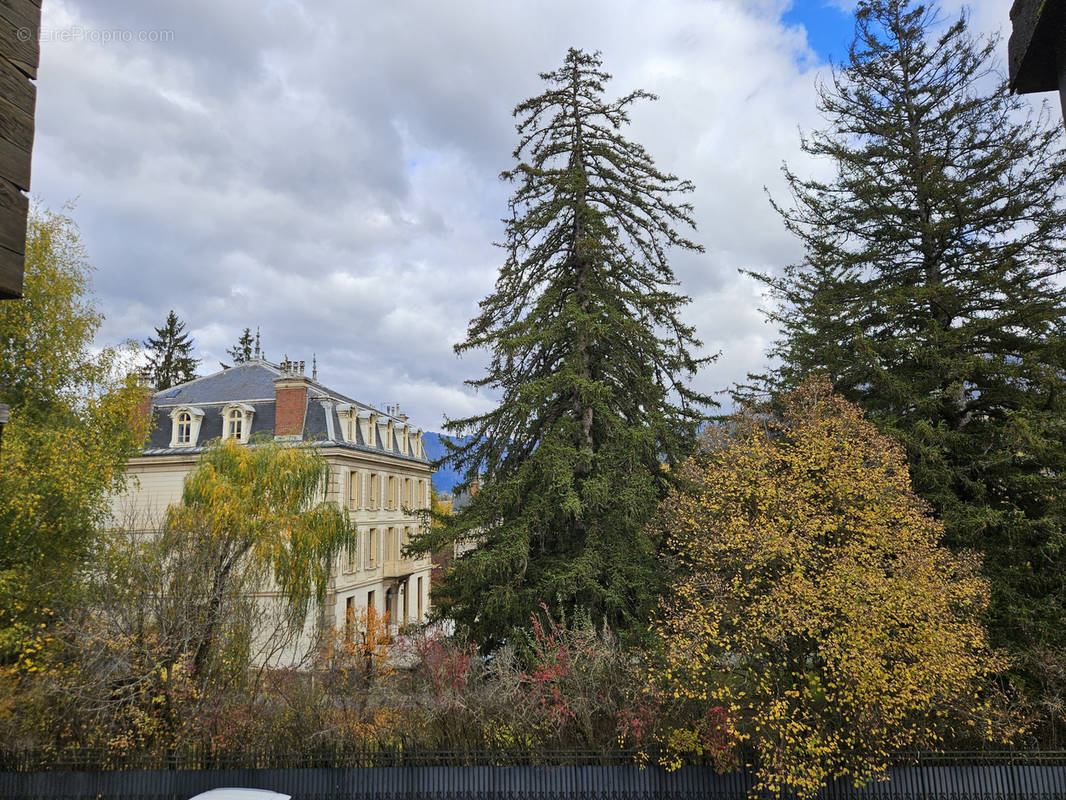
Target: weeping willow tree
pixel 257 515
pixel 590 359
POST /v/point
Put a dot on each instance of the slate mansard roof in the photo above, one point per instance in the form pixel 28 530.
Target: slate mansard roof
pixel 252 383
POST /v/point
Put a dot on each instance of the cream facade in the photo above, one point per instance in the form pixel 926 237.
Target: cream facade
pixel 378 471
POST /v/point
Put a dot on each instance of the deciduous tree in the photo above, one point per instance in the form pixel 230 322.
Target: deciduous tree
pixel 590 359
pixel 813 615
pixel 73 426
pixel 167 645
pixel 259 512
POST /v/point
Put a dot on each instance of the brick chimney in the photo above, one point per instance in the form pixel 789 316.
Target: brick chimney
pixel 143 410
pixel 290 400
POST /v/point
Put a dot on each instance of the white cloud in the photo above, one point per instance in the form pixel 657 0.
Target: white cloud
pixel 328 171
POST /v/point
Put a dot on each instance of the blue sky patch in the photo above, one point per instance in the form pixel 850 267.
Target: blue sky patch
pixel 829 29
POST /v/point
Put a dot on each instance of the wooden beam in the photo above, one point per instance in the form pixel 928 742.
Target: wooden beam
pixel 20 45
pixel 11 267
pixel 16 126
pixel 15 164
pixel 16 88
pixel 20 31
pixel 1037 36
pixel 14 208
pixel 21 14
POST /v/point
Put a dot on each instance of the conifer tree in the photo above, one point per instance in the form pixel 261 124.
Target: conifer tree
pixel 590 360
pixel 170 360
pixel 242 351
pixel 930 293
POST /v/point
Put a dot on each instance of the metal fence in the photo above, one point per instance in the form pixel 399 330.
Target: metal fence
pixel 1013 776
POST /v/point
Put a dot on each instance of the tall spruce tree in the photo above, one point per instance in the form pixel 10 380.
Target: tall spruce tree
pixel 590 360
pixel 930 293
pixel 242 351
pixel 170 360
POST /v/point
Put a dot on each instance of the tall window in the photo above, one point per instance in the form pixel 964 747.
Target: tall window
pixel 355 485
pixel 352 561
pixel 233 424
pixel 374 486
pixel 406 594
pixel 419 598
pixel 184 427
pixel 372 548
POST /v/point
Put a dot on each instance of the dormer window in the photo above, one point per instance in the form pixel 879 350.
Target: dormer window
pixel 233 424
pixel 346 417
pixel 237 421
pixel 185 426
pixel 366 427
pixel 184 434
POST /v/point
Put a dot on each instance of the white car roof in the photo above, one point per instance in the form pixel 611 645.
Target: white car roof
pixel 240 794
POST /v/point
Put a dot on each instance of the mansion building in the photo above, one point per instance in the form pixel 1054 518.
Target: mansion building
pixel 378 470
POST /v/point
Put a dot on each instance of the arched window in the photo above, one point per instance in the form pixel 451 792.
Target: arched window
pixel 233 424
pixel 184 433
pixel 185 426
pixel 237 421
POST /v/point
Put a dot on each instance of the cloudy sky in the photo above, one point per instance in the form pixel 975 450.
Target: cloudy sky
pixel 328 170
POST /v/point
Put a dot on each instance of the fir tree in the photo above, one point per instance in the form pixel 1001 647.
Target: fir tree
pixel 170 360
pixel 590 360
pixel 242 351
pixel 929 295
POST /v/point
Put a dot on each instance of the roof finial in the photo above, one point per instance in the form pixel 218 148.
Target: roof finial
pixel 314 367
pixel 257 341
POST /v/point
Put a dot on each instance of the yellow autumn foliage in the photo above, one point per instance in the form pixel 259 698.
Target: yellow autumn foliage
pixel 812 601
pixel 73 425
pixel 260 510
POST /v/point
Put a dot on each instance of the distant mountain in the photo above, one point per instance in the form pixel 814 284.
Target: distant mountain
pixel 446 478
